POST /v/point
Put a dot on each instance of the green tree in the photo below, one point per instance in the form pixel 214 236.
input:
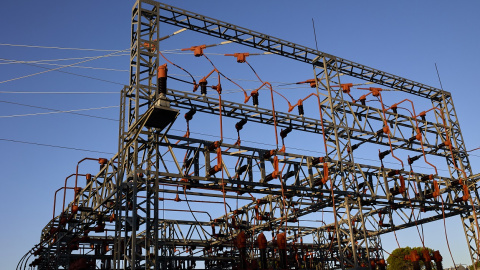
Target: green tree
pixel 396 260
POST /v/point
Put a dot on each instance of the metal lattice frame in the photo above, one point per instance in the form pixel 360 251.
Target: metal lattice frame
pixel 362 197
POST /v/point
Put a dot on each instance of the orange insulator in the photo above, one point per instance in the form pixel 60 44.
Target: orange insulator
pixel 346 87
pixel 241 57
pixel 436 189
pixel 363 99
pixel 282 241
pixel 262 241
pixel 74 208
pixel 112 218
pixel 197 50
pixel 162 79
pixel 177 198
pixel 466 193
pixel 402 184
pixel 375 91
pixel 88 177
pixel 102 161
pixel 241 240
pixel 325 173
pixel 422 115
pixel 394 108
pixel 162 71
pixel 77 190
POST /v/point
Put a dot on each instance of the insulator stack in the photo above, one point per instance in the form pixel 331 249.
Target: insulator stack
pixel 203 86
pixel 255 99
pixel 285 132
pixel 282 246
pixel 239 125
pixel 262 246
pixel 189 115
pixel 300 109
pixel 162 80
pixel 382 155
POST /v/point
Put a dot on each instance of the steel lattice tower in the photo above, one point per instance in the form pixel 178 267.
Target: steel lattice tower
pixel 364 199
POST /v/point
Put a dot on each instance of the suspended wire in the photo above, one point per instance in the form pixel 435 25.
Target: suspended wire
pixel 75 74
pixel 58 48
pixel 48 70
pixel 44 113
pixel 56 146
pixel 11 61
pixel 84 67
pixel 475 149
pixel 55 110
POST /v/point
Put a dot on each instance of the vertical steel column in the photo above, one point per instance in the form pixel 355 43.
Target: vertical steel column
pixel 459 168
pixel 344 178
pixel 135 146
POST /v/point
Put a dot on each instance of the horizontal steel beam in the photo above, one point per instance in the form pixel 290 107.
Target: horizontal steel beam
pixel 227 31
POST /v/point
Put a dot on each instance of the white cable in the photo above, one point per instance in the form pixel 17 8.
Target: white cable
pixel 41 72
pixel 50 60
pixel 79 110
pixel 51 64
pixel 58 48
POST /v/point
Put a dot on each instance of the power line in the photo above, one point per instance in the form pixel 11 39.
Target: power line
pixel 71 73
pixel 38 73
pixel 68 48
pixel 50 109
pixel 44 113
pixel 56 146
pixel 85 67
pixel 58 48
pixel 12 61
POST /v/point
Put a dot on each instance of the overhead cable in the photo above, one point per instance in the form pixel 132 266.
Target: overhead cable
pixel 57 146
pixel 44 113
pixel 55 110
pixel 38 73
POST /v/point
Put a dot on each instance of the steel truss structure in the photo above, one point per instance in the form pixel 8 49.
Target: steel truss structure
pixel 116 222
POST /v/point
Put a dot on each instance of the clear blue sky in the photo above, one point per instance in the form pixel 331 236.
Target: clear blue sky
pixel 405 38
